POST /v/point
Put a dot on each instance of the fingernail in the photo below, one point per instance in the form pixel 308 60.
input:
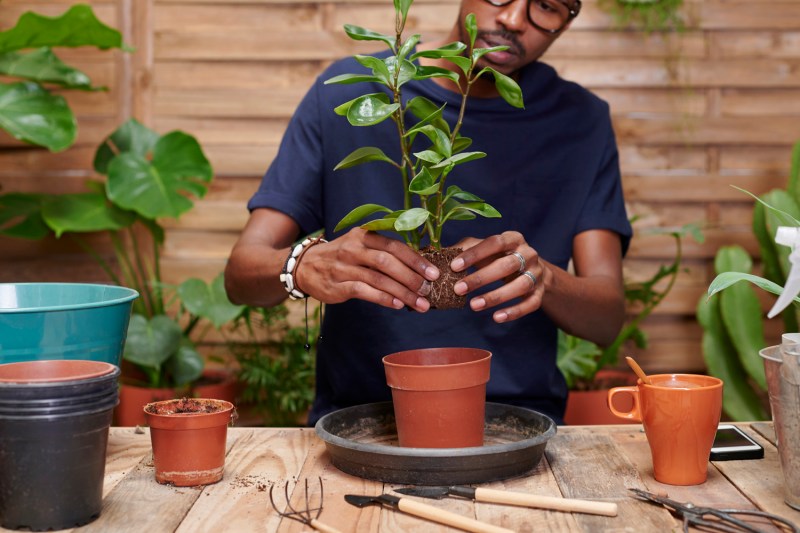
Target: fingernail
pixel 397 303
pixel 432 273
pixel 477 303
pixel 457 264
pixel 425 289
pixel 422 304
pixel 460 288
pixel 501 316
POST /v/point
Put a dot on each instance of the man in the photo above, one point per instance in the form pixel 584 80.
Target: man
pixel 552 172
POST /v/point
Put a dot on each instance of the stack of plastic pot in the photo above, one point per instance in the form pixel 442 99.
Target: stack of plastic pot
pixel 54 421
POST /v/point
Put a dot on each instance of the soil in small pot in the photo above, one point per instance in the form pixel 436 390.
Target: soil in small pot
pixel 442 295
pixel 184 406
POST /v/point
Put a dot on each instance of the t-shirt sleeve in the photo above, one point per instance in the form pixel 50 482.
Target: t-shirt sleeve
pixel 293 182
pixel 605 205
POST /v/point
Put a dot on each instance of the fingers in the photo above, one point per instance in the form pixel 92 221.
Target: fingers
pixel 525 286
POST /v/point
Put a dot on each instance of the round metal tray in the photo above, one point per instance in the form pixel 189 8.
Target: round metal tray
pixel 362 441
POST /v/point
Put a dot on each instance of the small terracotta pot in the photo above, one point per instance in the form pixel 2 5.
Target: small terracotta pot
pixel 439 396
pixel 188 438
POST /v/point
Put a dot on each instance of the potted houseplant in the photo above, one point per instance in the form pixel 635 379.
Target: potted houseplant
pixel 585 365
pixel 733 340
pixel 31 111
pixel 429 199
pixel 149 177
pixel 430 150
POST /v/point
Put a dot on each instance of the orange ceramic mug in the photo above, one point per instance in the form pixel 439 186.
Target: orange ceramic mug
pixel 680 414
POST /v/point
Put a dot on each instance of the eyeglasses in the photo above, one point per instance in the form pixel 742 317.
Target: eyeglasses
pixel 550 16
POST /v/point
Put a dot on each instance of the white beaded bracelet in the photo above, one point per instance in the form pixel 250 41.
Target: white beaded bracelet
pixel 289 270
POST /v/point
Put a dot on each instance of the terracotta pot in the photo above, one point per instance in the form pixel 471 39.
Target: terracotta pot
pixel 219 385
pixel 188 438
pixel 590 407
pixel 439 395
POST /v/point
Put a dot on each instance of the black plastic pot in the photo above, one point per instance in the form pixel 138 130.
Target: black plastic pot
pixel 53 439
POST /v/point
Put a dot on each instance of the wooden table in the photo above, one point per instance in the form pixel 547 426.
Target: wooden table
pixel 593 462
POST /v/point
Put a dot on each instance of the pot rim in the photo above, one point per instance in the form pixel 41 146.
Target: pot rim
pixel 487 355
pixel 769 351
pixel 717 383
pixel 180 421
pixel 126 295
pixel 88 371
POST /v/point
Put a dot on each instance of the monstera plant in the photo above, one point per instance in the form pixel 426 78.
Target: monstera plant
pixel 149 177
pixel 29 111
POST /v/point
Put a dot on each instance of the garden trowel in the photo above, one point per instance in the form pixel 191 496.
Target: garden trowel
pixel 521 499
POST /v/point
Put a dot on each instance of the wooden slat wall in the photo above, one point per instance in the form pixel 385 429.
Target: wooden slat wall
pixel 715 106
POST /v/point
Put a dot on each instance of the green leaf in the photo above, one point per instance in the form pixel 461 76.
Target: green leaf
pixel 30 113
pixel 436 72
pixel 186 365
pixel 402 7
pixel 359 213
pixel 160 188
pixel 478 53
pixel 424 183
pixel 741 313
pixel 465 64
pixel 151 342
pixel 347 79
pixel 132 136
pixel 77 27
pixel 726 279
pixel 411 219
pixel 379 67
pixel 507 88
pixel 43 66
pixel 408 71
pixel 21 216
pixel 457 159
pixel 461 144
pixel 739 400
pixel 439 138
pixel 454 49
pixel 428 113
pixel 364 155
pixel 785 218
pixel 209 301
pixel 357 33
pixel 479 208
pixel 84 212
pixel 454 191
pixel 409 45
pixel 429 156
pixel 577 358
pixel 471 26
pixel 380 224
pixel 370 109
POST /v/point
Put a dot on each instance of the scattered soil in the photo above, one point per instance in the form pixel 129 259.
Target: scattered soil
pixel 184 406
pixel 442 295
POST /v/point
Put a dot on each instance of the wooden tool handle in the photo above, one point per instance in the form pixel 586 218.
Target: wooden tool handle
pixel 545 502
pixel 441 516
pixel 325 528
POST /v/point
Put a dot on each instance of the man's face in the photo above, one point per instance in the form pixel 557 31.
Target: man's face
pixel 505 26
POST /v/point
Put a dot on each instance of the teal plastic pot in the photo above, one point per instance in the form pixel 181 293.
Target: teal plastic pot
pixel 42 321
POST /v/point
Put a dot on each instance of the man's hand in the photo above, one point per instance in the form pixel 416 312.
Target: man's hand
pixel 503 257
pixel 367 266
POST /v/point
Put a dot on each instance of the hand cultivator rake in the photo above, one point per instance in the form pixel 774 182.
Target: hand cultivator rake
pixel 310 511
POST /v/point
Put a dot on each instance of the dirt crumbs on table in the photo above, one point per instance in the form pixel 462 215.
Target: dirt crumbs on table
pixel 249 481
pixel 184 406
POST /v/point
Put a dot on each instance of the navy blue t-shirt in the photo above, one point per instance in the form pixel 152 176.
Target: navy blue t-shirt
pixel 551 170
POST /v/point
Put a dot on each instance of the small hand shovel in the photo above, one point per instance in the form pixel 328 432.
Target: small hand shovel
pixel 515 498
pixel 426 511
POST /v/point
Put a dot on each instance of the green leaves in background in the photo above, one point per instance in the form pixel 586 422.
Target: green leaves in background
pixel 209 301
pixel 28 111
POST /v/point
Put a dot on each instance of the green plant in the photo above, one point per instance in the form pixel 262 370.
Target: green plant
pixel 424 173
pixel 149 177
pixel 646 15
pixel 579 360
pixel 733 323
pixel 29 111
pixel 278 375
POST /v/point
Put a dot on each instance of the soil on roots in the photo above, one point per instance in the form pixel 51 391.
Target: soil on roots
pixel 442 295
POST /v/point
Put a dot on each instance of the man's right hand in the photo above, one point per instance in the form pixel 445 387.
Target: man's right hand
pixel 366 266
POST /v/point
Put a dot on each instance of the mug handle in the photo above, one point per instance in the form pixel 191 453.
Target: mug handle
pixel 635 412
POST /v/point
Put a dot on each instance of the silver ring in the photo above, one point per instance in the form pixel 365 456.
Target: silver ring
pixel 531 277
pixel 521 261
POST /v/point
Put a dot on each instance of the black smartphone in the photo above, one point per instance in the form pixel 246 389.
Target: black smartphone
pixel 731 443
